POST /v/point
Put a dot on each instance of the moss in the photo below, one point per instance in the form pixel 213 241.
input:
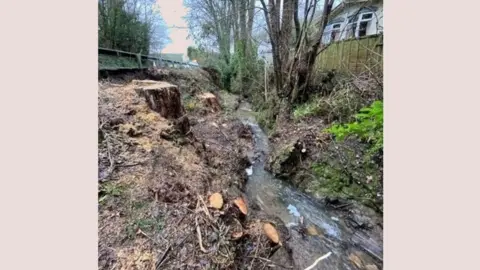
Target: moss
pixel 346 171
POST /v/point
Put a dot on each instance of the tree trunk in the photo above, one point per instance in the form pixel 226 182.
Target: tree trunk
pixel 312 53
pixel 162 97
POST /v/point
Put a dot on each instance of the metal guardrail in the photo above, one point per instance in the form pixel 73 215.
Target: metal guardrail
pixel 140 58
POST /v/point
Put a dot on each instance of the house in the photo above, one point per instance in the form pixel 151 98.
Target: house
pixel 354 19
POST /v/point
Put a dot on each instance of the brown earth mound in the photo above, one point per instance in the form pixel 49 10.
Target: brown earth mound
pixel 156 178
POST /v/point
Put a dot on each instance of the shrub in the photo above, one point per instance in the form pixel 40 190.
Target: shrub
pixel 341 105
pixel 367 127
pixel 306 109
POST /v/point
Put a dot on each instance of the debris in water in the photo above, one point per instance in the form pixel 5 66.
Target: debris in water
pixel 249 170
pixel 291 224
pixel 335 219
pixel 318 260
pixel 293 210
pixel 311 230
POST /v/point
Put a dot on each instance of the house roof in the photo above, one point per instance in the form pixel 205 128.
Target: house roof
pixel 346 3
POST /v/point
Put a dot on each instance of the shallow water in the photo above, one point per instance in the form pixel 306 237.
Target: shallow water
pixel 276 197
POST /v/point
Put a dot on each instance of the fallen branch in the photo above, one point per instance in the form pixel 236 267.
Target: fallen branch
pixel 318 260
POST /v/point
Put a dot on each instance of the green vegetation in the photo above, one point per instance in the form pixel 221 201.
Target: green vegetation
pixel 367 127
pixel 311 108
pixel 131 25
pixel 347 168
pixel 340 105
pixel 110 190
pixel 147 225
pixel 111 61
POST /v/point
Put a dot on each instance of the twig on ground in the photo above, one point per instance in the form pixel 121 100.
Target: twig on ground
pixel 199 235
pixel 130 165
pixel 110 158
pixel 318 260
pixel 205 208
pixel 164 255
pixel 256 252
pixel 270 261
pixel 167 251
pixel 147 236
pixel 342 205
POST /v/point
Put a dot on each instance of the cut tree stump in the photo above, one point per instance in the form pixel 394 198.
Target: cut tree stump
pixel 210 101
pixel 162 97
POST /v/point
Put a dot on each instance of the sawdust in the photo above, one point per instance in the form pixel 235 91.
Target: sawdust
pixel 151 214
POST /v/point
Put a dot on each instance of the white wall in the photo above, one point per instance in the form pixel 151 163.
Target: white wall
pixel 375 26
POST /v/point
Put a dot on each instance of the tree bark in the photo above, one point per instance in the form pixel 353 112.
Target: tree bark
pixel 312 53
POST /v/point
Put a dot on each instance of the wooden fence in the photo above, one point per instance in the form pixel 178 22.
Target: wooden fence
pixel 354 55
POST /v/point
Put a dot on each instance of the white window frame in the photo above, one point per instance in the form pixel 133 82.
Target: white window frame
pixel 366 20
pixel 338 30
pixel 360 20
pixel 339 26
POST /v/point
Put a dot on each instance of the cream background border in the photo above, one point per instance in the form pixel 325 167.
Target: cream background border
pixel 48 198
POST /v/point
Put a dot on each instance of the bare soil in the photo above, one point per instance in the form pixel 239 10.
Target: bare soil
pixel 155 182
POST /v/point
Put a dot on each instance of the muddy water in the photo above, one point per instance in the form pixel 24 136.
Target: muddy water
pixel 277 198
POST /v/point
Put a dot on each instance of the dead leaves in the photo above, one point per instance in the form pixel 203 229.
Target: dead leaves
pixel 240 203
pixel 311 230
pixel 216 200
pixel 356 260
pixel 271 233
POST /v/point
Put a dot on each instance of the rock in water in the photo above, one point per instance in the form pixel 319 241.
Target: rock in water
pixel 162 97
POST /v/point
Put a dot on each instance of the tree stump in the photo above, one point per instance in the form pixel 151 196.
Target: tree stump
pixel 210 101
pixel 162 97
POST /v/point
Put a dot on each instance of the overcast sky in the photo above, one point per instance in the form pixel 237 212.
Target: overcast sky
pixel 172 12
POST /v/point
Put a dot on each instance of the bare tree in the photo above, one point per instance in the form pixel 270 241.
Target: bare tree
pixel 293 65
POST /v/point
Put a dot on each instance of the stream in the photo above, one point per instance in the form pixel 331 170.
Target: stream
pixel 277 198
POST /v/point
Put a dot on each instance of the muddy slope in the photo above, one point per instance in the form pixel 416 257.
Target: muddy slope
pixel 155 180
